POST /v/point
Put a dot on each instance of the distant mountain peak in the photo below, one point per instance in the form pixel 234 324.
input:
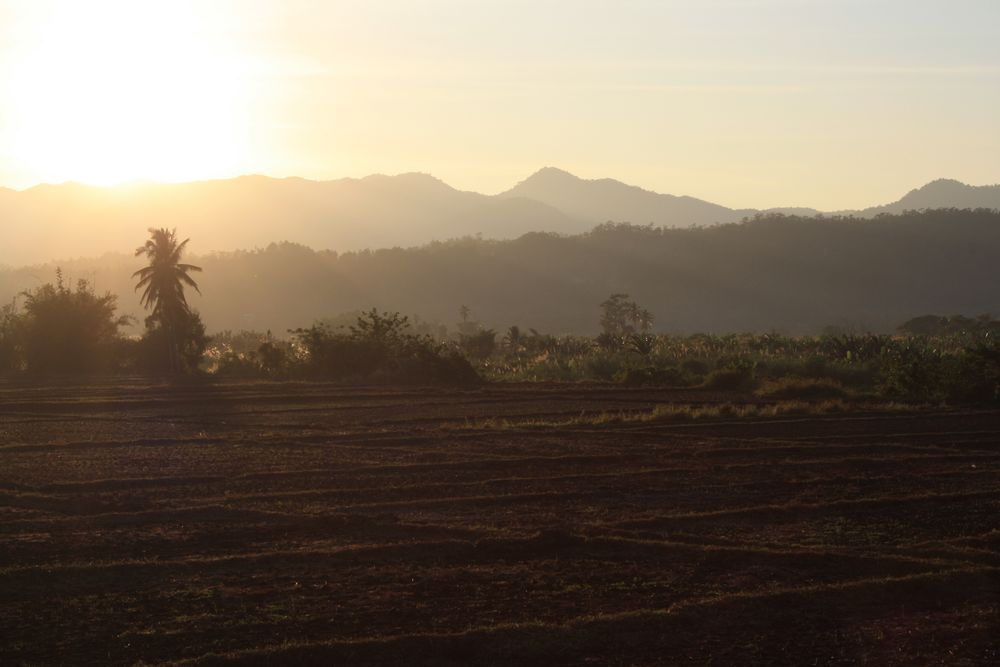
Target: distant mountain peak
pixel 413 182
pixel 603 199
pixel 553 177
pixel 550 176
pixel 942 193
pixel 406 177
pixel 942 185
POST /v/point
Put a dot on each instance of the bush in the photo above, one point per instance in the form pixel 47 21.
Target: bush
pixel 735 378
pixel 429 363
pixel 379 348
pixel 695 367
pixel 153 352
pixel 274 357
pixel 912 371
pixel 974 376
pixel 67 331
pixel 479 345
pixel 601 366
pixel 650 375
pixel 239 364
pixel 11 339
pixel 250 354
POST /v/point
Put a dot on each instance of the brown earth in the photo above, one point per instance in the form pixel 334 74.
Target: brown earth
pixel 315 524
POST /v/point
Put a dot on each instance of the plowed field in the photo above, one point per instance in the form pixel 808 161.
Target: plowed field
pixel 309 523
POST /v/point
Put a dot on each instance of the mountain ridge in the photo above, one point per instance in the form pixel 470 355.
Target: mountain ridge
pixel 50 221
pixel 611 199
pixel 939 190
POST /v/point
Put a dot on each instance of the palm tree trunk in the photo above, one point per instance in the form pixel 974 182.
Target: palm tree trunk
pixel 172 343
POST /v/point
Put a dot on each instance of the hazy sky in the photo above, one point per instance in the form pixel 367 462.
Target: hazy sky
pixel 824 103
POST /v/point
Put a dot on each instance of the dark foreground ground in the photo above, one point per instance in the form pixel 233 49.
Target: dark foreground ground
pixel 321 525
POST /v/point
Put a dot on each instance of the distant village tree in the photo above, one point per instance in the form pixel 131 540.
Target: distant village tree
pixel 621 319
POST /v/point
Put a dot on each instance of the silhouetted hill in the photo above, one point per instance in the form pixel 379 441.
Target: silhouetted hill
pixel 793 210
pixel 789 274
pixel 942 193
pixel 606 199
pixel 71 220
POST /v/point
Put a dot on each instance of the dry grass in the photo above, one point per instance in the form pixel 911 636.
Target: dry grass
pixel 686 413
pixel 802 389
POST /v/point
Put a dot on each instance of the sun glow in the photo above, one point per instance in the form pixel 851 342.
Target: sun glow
pixel 114 91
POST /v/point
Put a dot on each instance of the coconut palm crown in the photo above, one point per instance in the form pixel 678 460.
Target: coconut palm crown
pixel 165 277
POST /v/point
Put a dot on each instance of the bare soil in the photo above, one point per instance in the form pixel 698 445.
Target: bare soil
pixel 279 523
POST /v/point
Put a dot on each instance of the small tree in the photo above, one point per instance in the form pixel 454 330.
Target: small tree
pixel 11 338
pixel 178 349
pixel 466 326
pixel 66 331
pixel 479 345
pixel 380 347
pixel 621 318
pixel 384 329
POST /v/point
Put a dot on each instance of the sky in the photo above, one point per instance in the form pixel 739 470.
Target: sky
pixel 747 103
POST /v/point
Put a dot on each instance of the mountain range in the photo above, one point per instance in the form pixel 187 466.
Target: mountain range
pixel 54 222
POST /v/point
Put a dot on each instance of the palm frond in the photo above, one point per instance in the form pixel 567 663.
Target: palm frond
pixel 165 276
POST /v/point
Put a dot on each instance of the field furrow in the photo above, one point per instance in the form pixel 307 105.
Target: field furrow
pixel 266 523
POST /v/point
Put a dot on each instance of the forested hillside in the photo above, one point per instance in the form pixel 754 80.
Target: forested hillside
pixel 790 274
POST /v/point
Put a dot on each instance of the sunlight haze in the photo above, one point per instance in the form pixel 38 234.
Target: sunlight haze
pixel 484 332
pixel 755 103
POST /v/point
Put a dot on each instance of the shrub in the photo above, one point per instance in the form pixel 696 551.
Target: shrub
pixel 734 378
pixel 11 339
pixel 379 348
pixel 974 376
pixel 650 375
pixel 274 357
pixel 728 379
pixel 732 374
pixel 912 371
pixel 67 331
pixel 479 345
pixel 153 353
pixel 602 366
pixel 642 343
pixel 813 366
pixel 429 363
pixel 239 364
pixel 695 367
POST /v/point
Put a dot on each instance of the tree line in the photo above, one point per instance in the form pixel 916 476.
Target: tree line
pixel 790 274
pixel 59 329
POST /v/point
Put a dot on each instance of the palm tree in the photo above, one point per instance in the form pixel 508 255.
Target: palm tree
pixel 164 280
